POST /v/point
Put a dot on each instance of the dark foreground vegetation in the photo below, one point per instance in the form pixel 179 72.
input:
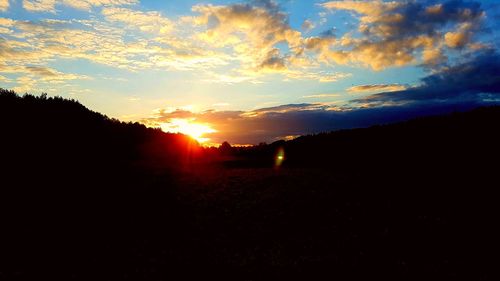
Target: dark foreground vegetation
pixel 85 197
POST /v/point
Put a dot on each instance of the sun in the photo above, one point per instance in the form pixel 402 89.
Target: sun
pixel 188 127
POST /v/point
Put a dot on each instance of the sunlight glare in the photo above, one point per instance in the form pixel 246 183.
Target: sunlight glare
pixel 186 126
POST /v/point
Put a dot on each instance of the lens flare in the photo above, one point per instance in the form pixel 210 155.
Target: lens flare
pixel 280 157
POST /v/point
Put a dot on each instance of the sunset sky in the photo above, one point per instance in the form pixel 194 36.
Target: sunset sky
pixel 254 71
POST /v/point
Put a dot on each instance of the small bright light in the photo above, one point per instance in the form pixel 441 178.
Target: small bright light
pixel 187 127
pixel 280 157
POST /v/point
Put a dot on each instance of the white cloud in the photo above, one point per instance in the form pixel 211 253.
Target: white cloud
pixel 308 25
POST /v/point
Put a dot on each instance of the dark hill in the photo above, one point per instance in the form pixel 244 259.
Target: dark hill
pixel 85 197
pixel 55 130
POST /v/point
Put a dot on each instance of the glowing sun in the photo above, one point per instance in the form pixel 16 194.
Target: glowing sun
pixel 185 126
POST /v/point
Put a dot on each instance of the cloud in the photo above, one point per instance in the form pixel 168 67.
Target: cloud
pixel 39 5
pixel 36 78
pixel 145 21
pixel 475 79
pixel 37 42
pixel 320 76
pixel 16 52
pixel 4 79
pixel 402 33
pixel 286 108
pixel 41 71
pixel 6 22
pixel 4 5
pixel 270 5
pixel 49 74
pixel 252 31
pixel 230 78
pixel 459 38
pixel 376 88
pixel 124 39
pixel 318 96
pixel 105 43
pixel 260 40
pixel 273 61
pixel 49 5
pixel 308 25
pixel 40 74
pixel 87 4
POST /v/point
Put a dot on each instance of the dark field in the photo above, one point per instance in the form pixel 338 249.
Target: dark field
pixel 88 198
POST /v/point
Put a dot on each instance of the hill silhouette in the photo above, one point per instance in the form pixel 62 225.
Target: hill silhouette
pixel 86 197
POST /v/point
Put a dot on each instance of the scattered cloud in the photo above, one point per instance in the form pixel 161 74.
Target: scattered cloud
pixel 39 5
pixel 4 79
pixel 50 5
pixel 88 4
pixel 4 5
pixel 231 78
pixel 145 21
pixel 320 76
pixel 144 44
pixel 376 88
pixel 308 25
pixel 35 78
pixel 319 96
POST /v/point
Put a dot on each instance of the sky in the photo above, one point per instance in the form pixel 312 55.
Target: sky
pixel 258 70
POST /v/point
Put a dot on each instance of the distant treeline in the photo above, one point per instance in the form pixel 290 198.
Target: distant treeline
pixel 427 141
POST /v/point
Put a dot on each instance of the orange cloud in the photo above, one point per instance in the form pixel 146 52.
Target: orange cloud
pixel 377 88
pixel 252 32
pixel 4 5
